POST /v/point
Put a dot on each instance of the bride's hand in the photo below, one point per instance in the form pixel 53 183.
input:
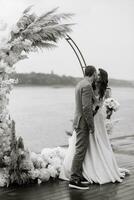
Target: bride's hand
pixel 91 131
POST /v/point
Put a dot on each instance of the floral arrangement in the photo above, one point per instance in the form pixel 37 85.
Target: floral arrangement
pixel 23 167
pixel 110 125
pixel 111 106
pixel 31 32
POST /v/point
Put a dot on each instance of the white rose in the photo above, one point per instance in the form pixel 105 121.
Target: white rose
pixel 4 126
pixel 27 42
pixel 16 29
pixel 53 172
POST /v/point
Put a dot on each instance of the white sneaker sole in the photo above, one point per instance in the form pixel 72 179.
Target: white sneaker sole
pixel 86 182
pixel 78 187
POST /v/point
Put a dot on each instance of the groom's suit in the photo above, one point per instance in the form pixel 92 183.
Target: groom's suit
pixel 83 123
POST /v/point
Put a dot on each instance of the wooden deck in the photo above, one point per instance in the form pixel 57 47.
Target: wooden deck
pixel 59 190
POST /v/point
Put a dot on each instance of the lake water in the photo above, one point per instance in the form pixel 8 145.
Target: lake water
pixel 44 114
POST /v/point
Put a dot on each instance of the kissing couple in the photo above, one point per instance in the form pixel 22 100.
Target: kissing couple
pixel 90 158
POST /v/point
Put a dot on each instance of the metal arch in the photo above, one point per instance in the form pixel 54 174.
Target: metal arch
pixel 77 52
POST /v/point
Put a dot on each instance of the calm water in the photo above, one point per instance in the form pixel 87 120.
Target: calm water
pixel 44 114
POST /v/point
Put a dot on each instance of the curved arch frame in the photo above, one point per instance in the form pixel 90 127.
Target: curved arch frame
pixel 77 52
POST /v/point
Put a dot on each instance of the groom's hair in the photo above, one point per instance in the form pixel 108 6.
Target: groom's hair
pixel 89 70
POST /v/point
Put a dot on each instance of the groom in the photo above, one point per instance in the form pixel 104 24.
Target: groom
pixel 83 125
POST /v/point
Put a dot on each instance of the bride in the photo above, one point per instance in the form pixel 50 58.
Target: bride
pixel 99 165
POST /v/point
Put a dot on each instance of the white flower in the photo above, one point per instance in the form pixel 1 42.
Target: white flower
pixel 3 66
pixel 36 29
pixel 48 154
pixel 27 42
pixel 53 172
pixel 4 126
pixel 38 161
pixel 5 47
pixel 111 103
pixel 15 29
pixel 56 163
pixel 8 131
pixel 9 122
pixel 34 173
pixel 61 152
pixel 4 177
pixel 116 106
pixel 44 174
pixel 109 126
pixel 10 81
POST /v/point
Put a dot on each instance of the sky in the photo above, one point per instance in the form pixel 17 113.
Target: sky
pixel 103 30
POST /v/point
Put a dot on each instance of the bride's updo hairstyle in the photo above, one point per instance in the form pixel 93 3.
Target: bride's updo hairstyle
pixel 102 82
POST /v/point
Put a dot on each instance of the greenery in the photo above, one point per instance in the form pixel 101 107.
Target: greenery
pixel 42 79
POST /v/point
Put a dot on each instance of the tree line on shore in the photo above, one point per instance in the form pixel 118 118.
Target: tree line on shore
pixel 44 79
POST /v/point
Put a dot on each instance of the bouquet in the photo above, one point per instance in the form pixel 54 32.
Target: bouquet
pixel 111 105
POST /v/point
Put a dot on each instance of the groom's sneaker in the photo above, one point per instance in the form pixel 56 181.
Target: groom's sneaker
pixel 78 185
pixel 84 181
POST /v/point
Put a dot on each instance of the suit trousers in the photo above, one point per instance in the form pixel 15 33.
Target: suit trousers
pixel 82 141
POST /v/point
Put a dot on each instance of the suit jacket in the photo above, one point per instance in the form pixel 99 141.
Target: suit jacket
pixel 84 99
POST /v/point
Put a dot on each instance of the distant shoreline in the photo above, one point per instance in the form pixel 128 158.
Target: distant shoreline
pixel 47 86
pixel 65 86
pixel 57 81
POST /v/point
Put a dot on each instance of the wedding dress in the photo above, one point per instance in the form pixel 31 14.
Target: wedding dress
pixel 99 165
